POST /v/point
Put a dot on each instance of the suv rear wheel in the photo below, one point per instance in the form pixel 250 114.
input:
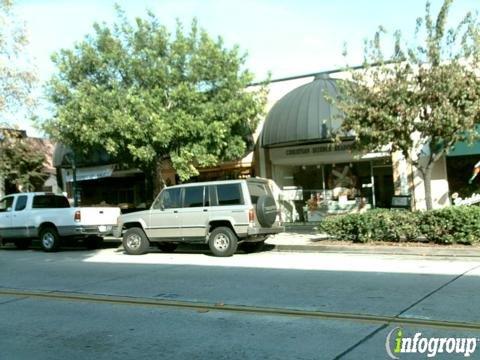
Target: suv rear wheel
pixel 135 242
pixel 223 241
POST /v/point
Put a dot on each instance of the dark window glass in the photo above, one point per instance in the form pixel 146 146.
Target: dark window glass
pixel 49 202
pixel 229 194
pixel 6 204
pixel 170 198
pixel 193 196
pixel 257 189
pixel 21 203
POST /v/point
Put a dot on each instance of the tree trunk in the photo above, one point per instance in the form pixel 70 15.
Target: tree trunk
pixel 154 181
pixel 149 174
pixel 427 183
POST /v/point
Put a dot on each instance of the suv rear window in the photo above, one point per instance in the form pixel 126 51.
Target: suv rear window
pixel 229 194
pixel 257 189
pixel 50 202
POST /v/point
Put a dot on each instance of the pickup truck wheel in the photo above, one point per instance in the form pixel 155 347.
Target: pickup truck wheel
pixel 251 247
pixel 223 241
pixel 49 239
pixel 167 247
pixel 22 244
pixel 135 242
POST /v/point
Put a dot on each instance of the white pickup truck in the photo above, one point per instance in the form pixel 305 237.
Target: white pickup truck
pixel 47 216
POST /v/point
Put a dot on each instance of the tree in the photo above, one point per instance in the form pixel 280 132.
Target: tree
pixel 146 95
pixel 421 100
pixel 19 162
pixel 16 79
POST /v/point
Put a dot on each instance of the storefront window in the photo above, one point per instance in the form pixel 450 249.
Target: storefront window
pixel 330 189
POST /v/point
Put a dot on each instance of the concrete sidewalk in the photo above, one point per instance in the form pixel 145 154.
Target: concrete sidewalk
pixel 312 242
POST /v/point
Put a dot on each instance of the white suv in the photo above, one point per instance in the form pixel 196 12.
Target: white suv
pixel 224 214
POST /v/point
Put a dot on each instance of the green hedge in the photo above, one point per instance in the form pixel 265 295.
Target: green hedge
pixel 451 225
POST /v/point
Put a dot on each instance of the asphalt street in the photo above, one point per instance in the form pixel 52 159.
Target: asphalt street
pixel 104 304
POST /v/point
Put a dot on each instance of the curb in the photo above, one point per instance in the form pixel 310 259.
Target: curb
pixel 413 251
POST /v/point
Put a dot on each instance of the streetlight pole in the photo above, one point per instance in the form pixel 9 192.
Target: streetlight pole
pixel 74 184
pixel 70 157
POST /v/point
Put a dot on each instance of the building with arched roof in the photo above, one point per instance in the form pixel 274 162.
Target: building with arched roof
pixel 320 176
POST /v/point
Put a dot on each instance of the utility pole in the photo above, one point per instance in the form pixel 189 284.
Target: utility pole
pixel 74 176
pixel 70 157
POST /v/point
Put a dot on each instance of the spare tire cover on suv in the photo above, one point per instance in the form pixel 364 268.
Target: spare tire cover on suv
pixel 266 210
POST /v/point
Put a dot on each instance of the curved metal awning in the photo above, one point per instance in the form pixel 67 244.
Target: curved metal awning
pixel 303 115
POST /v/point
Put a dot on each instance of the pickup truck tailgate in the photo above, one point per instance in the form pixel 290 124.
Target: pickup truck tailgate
pixel 98 215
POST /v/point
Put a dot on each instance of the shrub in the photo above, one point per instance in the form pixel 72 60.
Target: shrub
pixel 454 224
pixel 374 225
pixel 445 226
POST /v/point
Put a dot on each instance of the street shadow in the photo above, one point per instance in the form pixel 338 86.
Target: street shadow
pixel 72 246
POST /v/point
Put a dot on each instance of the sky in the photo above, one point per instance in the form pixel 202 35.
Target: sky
pixel 283 37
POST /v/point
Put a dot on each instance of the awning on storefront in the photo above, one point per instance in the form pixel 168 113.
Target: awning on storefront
pixel 62 157
pixel 463 148
pixel 304 115
pixel 89 173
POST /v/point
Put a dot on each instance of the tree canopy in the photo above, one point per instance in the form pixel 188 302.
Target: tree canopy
pixel 16 77
pixel 20 163
pixel 423 98
pixel 145 95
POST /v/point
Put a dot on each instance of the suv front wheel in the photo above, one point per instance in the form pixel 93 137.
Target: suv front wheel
pixel 135 241
pixel 223 241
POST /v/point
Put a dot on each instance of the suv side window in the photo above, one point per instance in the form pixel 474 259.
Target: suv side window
pixel 229 194
pixel 193 196
pixel 21 203
pixel 169 199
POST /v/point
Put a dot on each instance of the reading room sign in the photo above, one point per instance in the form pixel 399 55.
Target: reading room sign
pixel 319 149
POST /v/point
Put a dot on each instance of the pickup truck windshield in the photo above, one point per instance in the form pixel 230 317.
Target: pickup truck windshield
pixel 50 202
